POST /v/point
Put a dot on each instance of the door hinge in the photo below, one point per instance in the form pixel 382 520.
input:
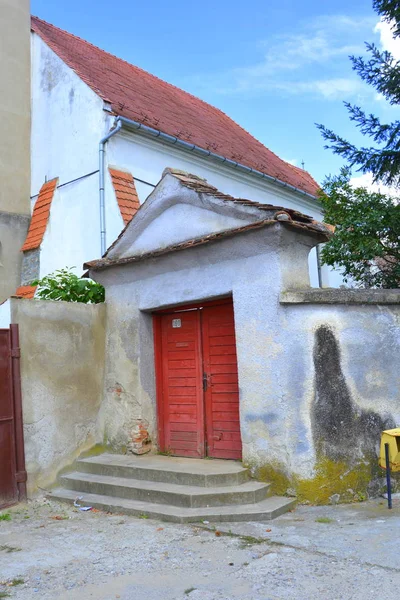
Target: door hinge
pixel 205 382
pixel 15 353
pixel 21 476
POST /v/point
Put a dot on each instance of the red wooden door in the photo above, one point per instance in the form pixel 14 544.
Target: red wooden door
pixel 8 483
pixel 197 382
pixel 222 390
pixel 182 394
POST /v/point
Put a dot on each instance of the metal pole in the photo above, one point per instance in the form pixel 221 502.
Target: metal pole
pixel 388 484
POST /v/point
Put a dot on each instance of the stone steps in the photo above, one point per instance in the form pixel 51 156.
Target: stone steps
pixel 166 493
pixel 183 471
pixel 171 489
pixel 261 511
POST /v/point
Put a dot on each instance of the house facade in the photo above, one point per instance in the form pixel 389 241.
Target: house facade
pixel 104 131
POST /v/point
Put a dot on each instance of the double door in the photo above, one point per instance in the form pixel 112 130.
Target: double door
pixel 197 382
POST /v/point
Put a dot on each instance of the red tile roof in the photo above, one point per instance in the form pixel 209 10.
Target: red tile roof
pixel 25 291
pixel 140 96
pixel 40 216
pixel 125 191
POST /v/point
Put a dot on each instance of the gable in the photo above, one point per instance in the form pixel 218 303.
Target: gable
pixel 179 223
pixel 174 213
pixel 146 99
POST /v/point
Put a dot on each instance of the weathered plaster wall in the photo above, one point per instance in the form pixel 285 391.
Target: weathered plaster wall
pixel 68 121
pixel 13 229
pixel 62 371
pixel 246 267
pixel 14 106
pixel 342 383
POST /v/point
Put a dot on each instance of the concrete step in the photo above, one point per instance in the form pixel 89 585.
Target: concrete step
pixel 181 471
pixel 261 511
pixel 172 494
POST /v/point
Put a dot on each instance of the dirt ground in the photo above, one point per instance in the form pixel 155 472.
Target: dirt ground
pixel 50 551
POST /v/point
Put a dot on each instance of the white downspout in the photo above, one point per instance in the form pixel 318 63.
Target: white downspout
pixel 103 241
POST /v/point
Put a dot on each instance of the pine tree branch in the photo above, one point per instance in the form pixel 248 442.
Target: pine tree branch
pixel 381 71
pixel 389 10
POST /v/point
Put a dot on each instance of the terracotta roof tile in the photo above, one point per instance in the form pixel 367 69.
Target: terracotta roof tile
pixel 25 291
pixel 40 216
pixel 125 191
pixel 140 96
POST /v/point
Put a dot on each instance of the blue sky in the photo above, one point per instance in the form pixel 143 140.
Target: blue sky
pixel 276 67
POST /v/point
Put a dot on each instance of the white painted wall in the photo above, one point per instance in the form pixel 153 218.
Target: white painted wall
pixel 5 314
pixel 67 124
pixel 68 121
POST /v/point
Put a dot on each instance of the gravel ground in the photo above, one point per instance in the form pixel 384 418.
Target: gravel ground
pixel 51 551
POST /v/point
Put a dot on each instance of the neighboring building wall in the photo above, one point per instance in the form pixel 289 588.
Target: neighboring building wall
pixel 14 105
pixel 62 369
pixel 15 138
pixel 13 229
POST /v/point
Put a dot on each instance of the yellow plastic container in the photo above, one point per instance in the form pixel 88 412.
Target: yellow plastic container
pixel 391 437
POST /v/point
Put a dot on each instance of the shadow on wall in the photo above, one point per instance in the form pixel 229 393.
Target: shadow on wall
pixel 342 431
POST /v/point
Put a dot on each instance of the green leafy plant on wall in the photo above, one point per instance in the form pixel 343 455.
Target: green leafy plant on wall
pixel 66 286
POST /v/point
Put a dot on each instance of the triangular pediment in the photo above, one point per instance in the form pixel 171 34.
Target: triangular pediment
pixel 175 213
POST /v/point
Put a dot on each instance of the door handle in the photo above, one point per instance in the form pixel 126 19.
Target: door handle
pixel 217 437
pixel 205 382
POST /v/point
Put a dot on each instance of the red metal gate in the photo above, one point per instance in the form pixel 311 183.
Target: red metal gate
pixel 12 459
pixel 197 381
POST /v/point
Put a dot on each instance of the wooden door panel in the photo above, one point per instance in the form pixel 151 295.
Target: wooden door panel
pixel 8 484
pixel 222 394
pixel 182 394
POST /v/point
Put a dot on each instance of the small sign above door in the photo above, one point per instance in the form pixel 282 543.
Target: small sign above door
pixel 176 323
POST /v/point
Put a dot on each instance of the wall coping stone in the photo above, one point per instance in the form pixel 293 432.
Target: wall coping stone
pixel 340 296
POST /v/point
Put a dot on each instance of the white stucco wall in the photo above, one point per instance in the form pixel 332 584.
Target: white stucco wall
pixel 68 122
pixel 5 315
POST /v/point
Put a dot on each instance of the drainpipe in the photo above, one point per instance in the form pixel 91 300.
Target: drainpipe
pixel 317 248
pixel 103 244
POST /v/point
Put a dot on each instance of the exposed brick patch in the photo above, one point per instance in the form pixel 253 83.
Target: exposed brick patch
pixel 140 438
pixel 126 194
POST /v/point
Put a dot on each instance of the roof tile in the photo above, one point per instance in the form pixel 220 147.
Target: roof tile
pixel 40 216
pixel 25 291
pixel 140 96
pixel 125 191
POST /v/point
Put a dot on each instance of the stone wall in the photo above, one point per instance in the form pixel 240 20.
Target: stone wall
pixel 62 370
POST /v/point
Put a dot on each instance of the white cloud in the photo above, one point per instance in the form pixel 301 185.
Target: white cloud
pixel 291 161
pixel 388 42
pixel 312 60
pixel 366 180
